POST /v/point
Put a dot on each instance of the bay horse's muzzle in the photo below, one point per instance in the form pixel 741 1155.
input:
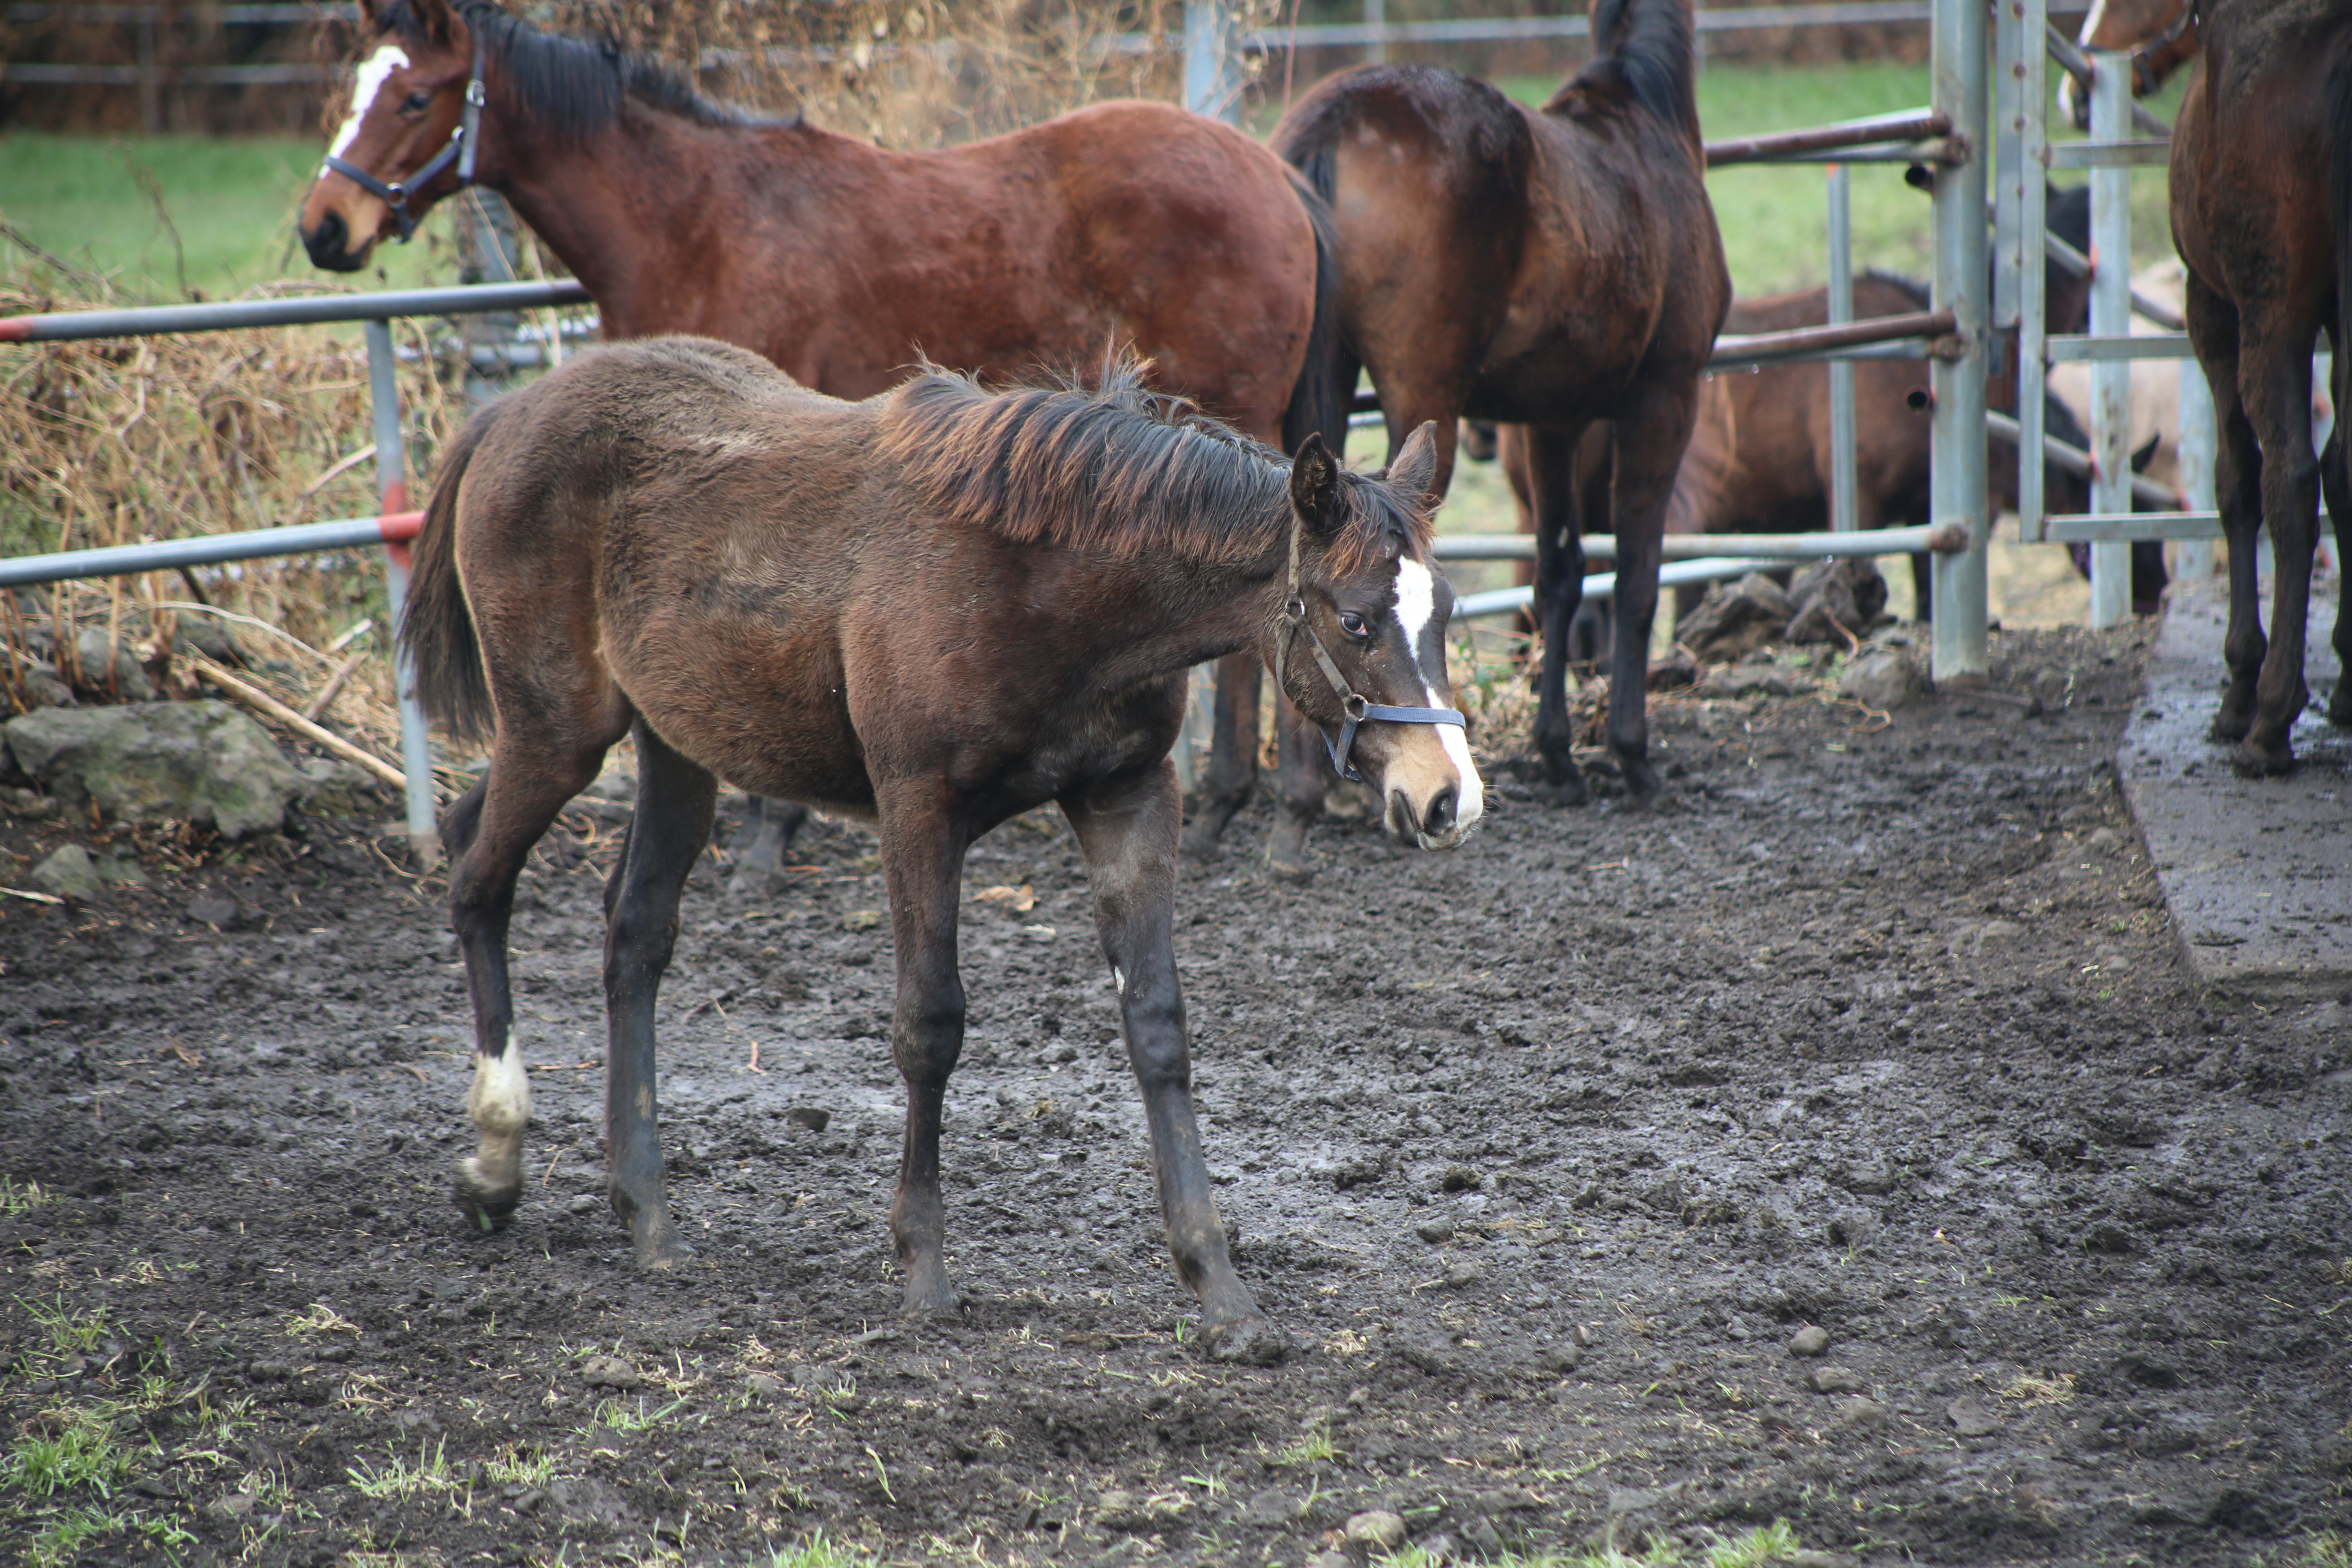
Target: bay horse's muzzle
pixel 329 243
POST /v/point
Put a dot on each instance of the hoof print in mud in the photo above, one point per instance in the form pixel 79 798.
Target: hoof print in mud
pixel 1253 1341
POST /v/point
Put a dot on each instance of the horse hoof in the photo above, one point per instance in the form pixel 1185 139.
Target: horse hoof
pixel 1643 786
pixel 928 1301
pixel 659 1254
pixel 1566 792
pixel 2251 760
pixel 1289 871
pixel 489 1207
pixel 1244 1341
pixel 2227 727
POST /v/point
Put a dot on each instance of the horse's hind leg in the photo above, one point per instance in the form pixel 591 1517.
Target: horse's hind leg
pixel 1650 440
pixel 2336 484
pixel 493 827
pixel 1559 593
pixel 2278 403
pixel 1299 791
pixel 671 825
pixel 922 861
pixel 2237 486
pixel 1232 754
pixel 1127 829
pixel 759 859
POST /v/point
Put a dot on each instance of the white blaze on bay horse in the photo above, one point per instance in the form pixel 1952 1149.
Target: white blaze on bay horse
pixel 371 74
pixel 935 609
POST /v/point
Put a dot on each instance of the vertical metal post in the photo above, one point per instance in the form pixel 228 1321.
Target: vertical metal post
pixel 2021 226
pixel 2193 558
pixel 392 488
pixel 1212 87
pixel 1376 15
pixel 2110 317
pixel 1844 518
pixel 1957 485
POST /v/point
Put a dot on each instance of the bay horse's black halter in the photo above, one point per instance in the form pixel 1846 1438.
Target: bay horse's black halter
pixel 1353 705
pixel 464 143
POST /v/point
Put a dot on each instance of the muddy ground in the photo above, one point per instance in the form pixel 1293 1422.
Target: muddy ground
pixel 1542 1151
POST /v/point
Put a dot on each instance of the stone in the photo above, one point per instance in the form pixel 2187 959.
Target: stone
pixel 1375 1529
pixel 1677 671
pixel 814 1118
pixel 1268 1509
pixel 1883 678
pixel 1861 1415
pixel 1459 1179
pixel 111 669
pixel 69 873
pixel 1435 1228
pixel 609 1372
pixel 334 788
pixel 1972 1419
pixel 1734 621
pixel 1836 600
pixel 203 762
pixel 764 1385
pixel 1834 1380
pixel 1809 1340
pixel 585 1202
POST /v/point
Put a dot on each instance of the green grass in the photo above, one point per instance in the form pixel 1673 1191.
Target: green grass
pixel 1774 1542
pixel 819 1551
pixel 162 215
pixel 15 1200
pixel 66 1537
pixel 399 1479
pixel 76 1450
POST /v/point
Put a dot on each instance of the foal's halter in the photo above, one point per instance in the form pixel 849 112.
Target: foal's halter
pixel 462 143
pixel 1353 705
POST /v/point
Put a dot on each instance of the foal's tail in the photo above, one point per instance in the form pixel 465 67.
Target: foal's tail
pixel 437 628
pixel 1647 48
pixel 1319 402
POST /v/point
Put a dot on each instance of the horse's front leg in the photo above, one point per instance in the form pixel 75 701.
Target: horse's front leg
pixel 1560 592
pixel 2276 371
pixel 1127 829
pixel 2335 485
pixel 923 846
pixel 672 824
pixel 1299 791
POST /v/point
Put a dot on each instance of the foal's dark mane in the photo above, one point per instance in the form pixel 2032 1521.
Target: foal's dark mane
pixel 1118 468
pixel 572 88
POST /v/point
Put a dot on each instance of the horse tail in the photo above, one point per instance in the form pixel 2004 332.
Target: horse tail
pixel 1650 47
pixel 1319 402
pixel 437 628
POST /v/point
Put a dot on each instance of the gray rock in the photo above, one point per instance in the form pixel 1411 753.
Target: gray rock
pixel 332 788
pixel 159 761
pixel 1861 1415
pixel 764 1385
pixel 1836 599
pixel 1375 1529
pixel 609 1372
pixel 1809 1340
pixel 1834 1380
pixel 1736 620
pixel 1268 1509
pixel 1971 1419
pixel 112 668
pixel 1437 1227
pixel 585 1202
pixel 40 685
pixel 1330 1560
pixel 1992 938
pixel 1481 1536
pixel 69 873
pixel 1884 678
pixel 814 1118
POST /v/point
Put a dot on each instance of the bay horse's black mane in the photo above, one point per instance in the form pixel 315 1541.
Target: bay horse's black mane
pixel 573 88
pixel 1120 468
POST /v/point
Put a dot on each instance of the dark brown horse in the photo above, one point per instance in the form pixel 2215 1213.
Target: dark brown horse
pixel 2262 214
pixel 1551 267
pixel 1121 225
pixel 2160 35
pixel 935 609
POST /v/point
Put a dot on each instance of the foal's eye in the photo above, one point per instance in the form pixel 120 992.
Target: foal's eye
pixel 417 103
pixel 1354 625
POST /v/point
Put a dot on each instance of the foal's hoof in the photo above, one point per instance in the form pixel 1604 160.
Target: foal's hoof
pixel 1244 1341
pixel 1569 791
pixel 489 1206
pixel 1207 825
pixel 660 1249
pixel 2229 727
pixel 2251 760
pixel 928 1298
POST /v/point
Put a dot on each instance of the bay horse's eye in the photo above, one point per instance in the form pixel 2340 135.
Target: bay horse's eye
pixel 1354 625
pixel 417 103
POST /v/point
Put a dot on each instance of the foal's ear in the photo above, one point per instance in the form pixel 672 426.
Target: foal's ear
pixel 434 18
pixel 1415 468
pixel 1315 486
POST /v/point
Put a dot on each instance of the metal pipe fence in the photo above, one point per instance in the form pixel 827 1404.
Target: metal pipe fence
pixel 392 529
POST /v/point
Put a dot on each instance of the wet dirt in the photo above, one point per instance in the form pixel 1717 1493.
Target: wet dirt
pixel 1543 1152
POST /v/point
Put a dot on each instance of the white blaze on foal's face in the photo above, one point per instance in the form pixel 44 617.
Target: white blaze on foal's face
pixel 1416 607
pixel 372 72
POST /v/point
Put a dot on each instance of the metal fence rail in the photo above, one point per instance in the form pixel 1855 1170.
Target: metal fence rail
pixel 392 528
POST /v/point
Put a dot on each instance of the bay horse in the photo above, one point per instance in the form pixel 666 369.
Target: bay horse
pixel 2262 214
pixel 934 609
pixel 2161 35
pixel 1551 268
pixel 1127 224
